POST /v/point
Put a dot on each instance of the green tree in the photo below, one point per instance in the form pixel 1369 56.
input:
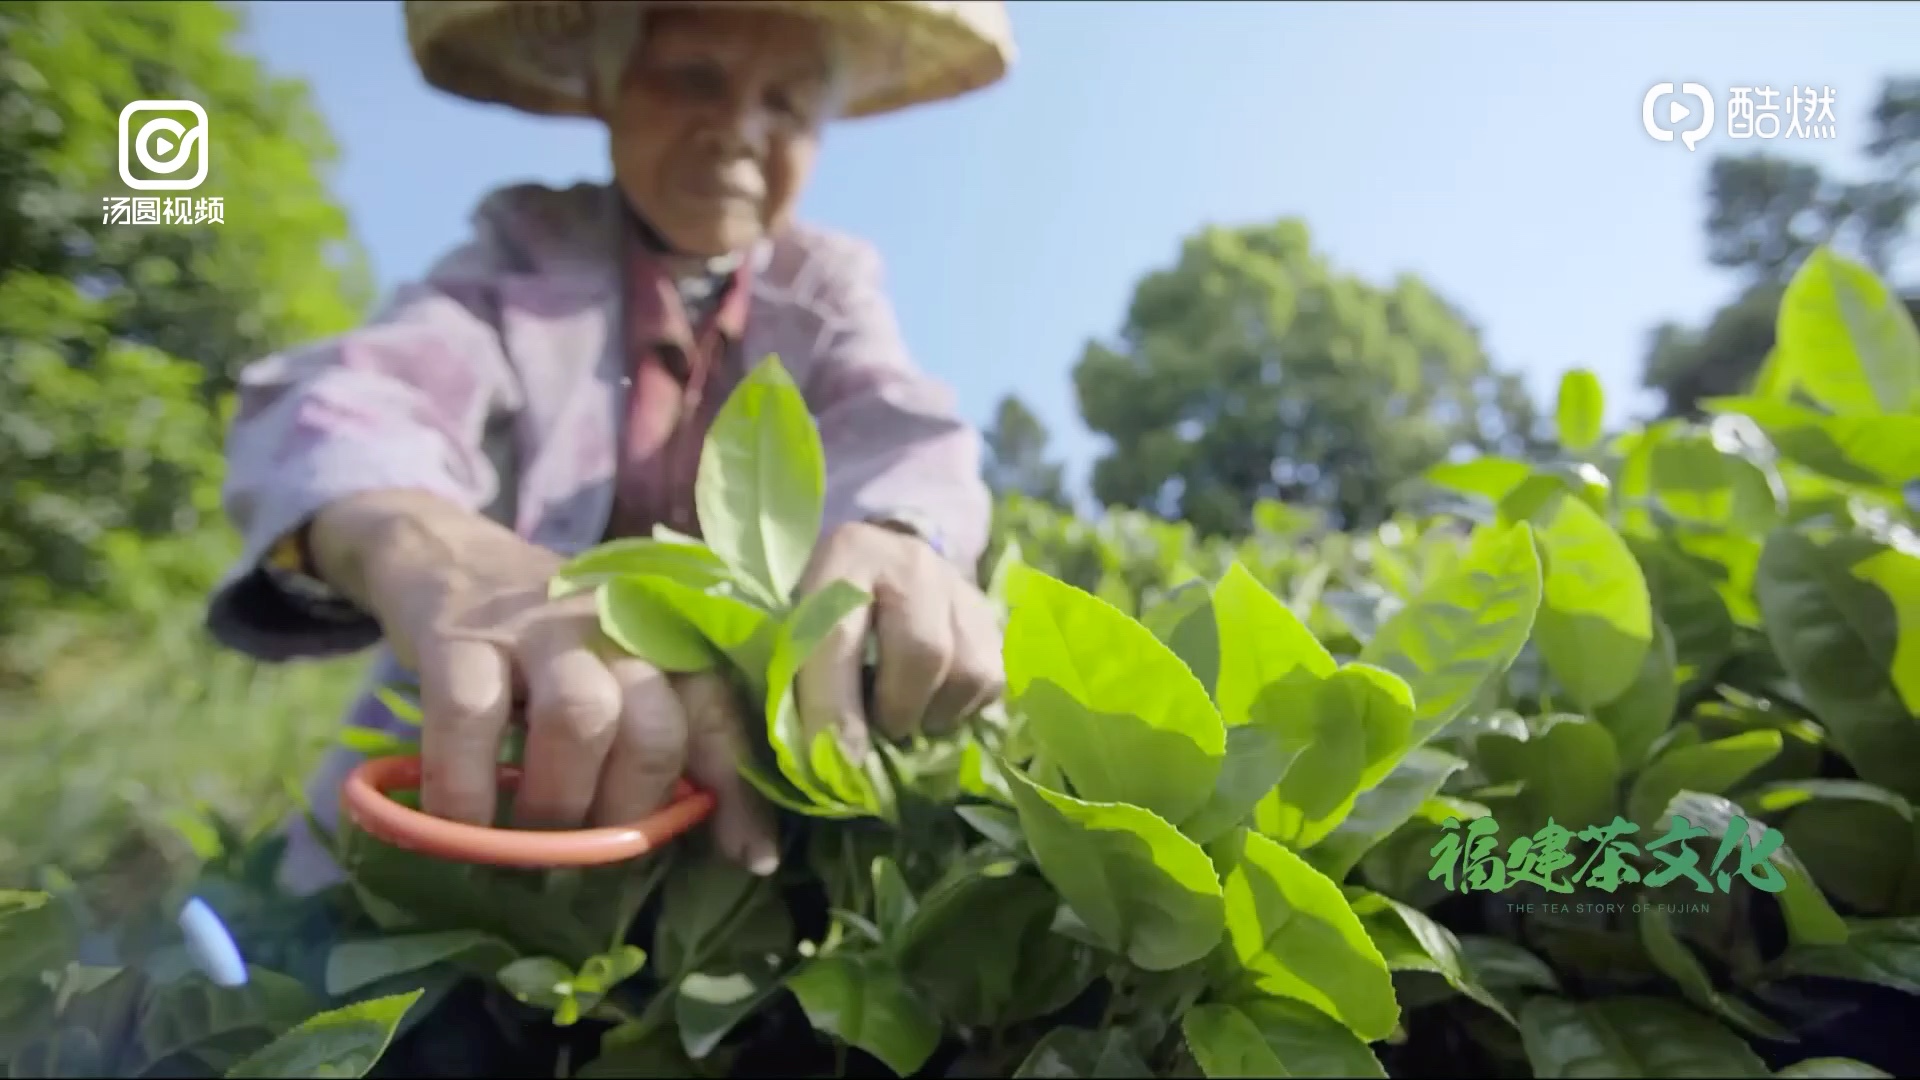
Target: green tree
pixel 118 342
pixel 1016 458
pixel 1252 368
pixel 1765 214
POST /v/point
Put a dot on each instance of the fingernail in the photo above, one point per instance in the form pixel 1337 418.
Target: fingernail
pixel 763 862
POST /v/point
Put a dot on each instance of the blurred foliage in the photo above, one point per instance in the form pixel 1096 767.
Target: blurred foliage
pixel 118 346
pixel 1016 461
pixel 118 342
pixel 1765 215
pixel 1254 369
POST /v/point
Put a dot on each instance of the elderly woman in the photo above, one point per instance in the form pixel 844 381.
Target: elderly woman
pixel 548 384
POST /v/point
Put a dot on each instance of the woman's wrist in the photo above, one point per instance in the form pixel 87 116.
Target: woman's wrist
pixel 364 544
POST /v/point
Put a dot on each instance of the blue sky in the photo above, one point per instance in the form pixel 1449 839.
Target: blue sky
pixel 1495 149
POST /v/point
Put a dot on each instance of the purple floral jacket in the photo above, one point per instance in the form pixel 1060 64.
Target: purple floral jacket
pixel 497 381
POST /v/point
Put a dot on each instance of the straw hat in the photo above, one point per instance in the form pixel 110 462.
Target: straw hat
pixel 534 54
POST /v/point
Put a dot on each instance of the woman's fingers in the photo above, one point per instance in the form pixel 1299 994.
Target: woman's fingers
pixel 716 742
pixel 916 640
pixel 466 698
pixel 975 678
pixel 829 689
pixel 649 748
pixel 574 707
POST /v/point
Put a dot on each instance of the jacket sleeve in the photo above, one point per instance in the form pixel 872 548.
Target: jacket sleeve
pixel 400 403
pixel 896 445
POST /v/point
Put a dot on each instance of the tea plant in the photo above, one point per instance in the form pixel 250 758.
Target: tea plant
pixel 1205 833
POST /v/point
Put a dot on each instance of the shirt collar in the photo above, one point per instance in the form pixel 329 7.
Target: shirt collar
pixel 657 311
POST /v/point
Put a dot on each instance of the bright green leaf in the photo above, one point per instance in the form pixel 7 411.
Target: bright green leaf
pixel 794 641
pixel 1145 889
pixel 1491 477
pixel 1596 617
pixel 1580 409
pixel 1295 936
pixel 1847 339
pixel 1383 808
pixel 692 565
pixel 1115 709
pixel 1344 732
pixel 762 482
pixel 1464 629
pixel 648 626
pixel 1854 449
pixel 1261 642
pixel 1644 711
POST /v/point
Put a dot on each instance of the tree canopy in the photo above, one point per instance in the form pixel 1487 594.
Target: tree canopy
pixel 1017 459
pixel 1254 369
pixel 119 341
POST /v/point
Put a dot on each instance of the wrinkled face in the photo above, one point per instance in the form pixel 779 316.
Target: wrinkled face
pixel 717 122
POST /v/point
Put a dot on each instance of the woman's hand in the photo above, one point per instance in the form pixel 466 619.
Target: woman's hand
pixel 938 641
pixel 463 602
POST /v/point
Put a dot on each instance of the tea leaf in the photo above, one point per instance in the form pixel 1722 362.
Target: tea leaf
pixel 987 956
pixel 762 483
pixel 1382 808
pixel 1831 1068
pixel 1184 621
pixel 691 564
pixel 1630 1036
pixel 1713 767
pixel 1811 920
pixel 1881 951
pixel 1580 409
pixel 640 621
pixel 353 965
pixel 1137 883
pixel 343 1042
pixel 738 629
pixel 1838 637
pixel 1465 628
pixel 1119 713
pixel 864 1001
pixel 1261 642
pixel 1295 936
pixel 1596 617
pixel 1846 339
pixel 1070 1053
pixel 818 769
pixel 1347 730
pixel 1274 1037
pixel 1410 941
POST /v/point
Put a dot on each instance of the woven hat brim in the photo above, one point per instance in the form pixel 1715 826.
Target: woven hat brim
pixel 533 54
